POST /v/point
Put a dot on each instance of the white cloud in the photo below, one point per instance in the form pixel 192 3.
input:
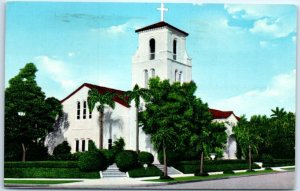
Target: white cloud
pixel 275 28
pixel 118 29
pixel 274 21
pixel 71 54
pixel 57 70
pixel 263 44
pixel 294 39
pixel 280 92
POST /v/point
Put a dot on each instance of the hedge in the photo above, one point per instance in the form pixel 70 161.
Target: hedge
pixel 127 160
pixel 48 173
pixel 213 166
pixel 92 161
pixel 42 164
pixel 151 170
pixel 145 158
pixel 46 169
pixel 279 162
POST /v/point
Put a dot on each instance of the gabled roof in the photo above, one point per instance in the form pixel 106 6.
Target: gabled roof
pixel 101 90
pixel 218 114
pixel 161 24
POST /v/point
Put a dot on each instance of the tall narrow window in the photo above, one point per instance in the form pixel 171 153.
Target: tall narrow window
pixel 146 78
pixel 152 73
pixel 84 109
pixel 180 77
pixel 77 145
pixel 152 49
pixel 175 75
pixel 174 49
pixel 90 114
pixel 83 145
pixel 78 110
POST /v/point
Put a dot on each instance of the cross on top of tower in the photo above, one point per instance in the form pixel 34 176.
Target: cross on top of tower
pixel 162 9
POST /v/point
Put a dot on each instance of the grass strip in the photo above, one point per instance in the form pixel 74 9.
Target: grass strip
pixel 202 178
pixel 39 181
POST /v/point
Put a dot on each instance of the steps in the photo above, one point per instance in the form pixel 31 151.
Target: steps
pixel 171 170
pixel 113 172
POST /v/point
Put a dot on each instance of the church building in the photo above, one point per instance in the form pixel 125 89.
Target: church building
pixel 161 52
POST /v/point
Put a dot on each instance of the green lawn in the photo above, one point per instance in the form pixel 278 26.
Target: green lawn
pixel 290 169
pixel 218 176
pixel 39 181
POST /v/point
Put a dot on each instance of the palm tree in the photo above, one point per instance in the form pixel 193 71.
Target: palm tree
pixel 136 94
pixel 278 113
pixel 105 99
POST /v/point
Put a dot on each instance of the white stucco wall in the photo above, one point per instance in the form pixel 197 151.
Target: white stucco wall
pixel 117 123
pixel 164 63
pixel 231 146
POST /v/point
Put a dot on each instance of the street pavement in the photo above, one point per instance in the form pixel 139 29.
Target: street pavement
pixel 281 181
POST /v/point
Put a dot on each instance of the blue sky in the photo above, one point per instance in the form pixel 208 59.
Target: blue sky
pixel 243 56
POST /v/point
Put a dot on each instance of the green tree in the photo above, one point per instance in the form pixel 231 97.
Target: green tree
pixel 207 136
pixel 29 116
pixel 168 115
pixel 136 94
pixel 278 113
pixel 103 100
pixel 248 137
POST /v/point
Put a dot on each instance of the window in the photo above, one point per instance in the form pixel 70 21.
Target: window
pixel 90 114
pixel 180 77
pixel 146 78
pixel 152 73
pixel 77 145
pixel 152 49
pixel 78 110
pixel 174 49
pixel 175 75
pixel 84 109
pixel 83 145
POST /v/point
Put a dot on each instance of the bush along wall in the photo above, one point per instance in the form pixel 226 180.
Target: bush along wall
pixel 151 170
pixel 213 166
pixel 278 162
pixel 46 169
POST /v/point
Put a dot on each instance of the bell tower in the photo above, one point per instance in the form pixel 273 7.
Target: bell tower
pixel 161 52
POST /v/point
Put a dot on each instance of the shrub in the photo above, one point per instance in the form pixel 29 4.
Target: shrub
pixel 36 152
pixel 109 156
pixel 279 162
pixel 92 161
pixel 92 146
pixel 127 160
pixel 145 158
pixel 201 174
pixel 118 146
pixel 151 170
pixel 64 157
pixel 41 164
pixel 172 157
pixel 63 148
pixel 213 166
pixel 228 172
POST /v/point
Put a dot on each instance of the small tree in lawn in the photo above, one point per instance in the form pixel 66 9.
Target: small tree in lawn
pixel 28 115
pixel 247 137
pixel 103 100
pixel 136 94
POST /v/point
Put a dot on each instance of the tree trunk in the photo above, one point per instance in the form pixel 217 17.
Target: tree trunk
pixel 24 152
pixel 137 130
pixel 250 158
pixel 101 130
pixel 165 162
pixel 201 162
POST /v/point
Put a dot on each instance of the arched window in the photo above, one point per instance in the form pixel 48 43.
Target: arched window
pixel 152 49
pixel 174 49
pixel 175 75
pixel 180 77
pixel 152 73
pixel 84 109
pixel 78 110
pixel 146 76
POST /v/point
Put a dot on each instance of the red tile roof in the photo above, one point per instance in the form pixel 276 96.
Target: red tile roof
pixel 161 24
pixel 218 114
pixel 101 90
